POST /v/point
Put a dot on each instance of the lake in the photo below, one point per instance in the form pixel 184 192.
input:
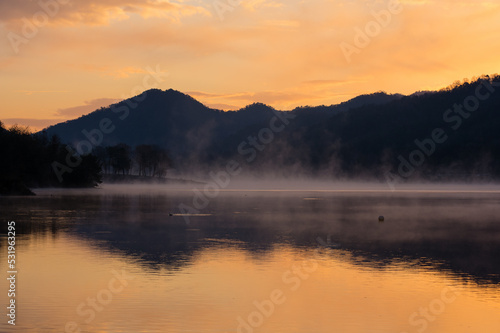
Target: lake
pixel 125 259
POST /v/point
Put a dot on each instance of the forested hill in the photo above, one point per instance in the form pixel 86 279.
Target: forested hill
pixel 28 161
pixel 451 134
pixel 180 124
pixel 368 136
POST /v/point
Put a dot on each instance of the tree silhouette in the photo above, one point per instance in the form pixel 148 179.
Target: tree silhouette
pixel 152 160
pixel 27 159
pixel 119 158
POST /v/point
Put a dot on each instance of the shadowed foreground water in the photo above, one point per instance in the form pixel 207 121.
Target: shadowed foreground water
pixel 255 261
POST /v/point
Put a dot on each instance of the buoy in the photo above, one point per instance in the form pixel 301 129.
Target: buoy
pixel 381 218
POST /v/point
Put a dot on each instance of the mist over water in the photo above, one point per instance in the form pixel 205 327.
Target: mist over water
pixel 320 243
pixel 265 183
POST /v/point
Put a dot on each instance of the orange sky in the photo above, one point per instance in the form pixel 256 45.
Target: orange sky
pixel 69 57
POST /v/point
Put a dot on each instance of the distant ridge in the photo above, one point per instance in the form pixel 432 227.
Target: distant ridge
pixel 180 123
pixel 368 136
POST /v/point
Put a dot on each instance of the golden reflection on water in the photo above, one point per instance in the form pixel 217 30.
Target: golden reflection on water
pixel 319 291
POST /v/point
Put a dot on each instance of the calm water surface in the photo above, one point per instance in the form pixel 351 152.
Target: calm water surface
pixel 111 260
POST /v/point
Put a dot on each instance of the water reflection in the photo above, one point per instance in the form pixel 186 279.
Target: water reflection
pixel 336 265
pixel 459 232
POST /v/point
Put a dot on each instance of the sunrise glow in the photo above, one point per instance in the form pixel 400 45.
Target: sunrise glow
pixel 60 59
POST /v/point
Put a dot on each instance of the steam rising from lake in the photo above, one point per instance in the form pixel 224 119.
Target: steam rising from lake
pixel 298 185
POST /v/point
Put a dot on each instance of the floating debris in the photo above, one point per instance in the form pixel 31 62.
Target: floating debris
pixel 191 214
pixel 381 218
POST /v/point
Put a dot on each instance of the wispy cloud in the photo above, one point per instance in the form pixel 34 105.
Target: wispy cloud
pixel 85 108
pixel 448 2
pixel 117 73
pixel 254 5
pixel 331 83
pixel 233 101
pixel 92 12
pixel 32 92
pixel 222 106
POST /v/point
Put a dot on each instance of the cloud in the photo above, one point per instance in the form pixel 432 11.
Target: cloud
pixel 321 83
pixel 222 106
pixel 450 2
pixel 31 92
pixel 6 63
pixel 92 12
pixel 234 101
pixel 87 107
pixel 251 97
pixel 200 94
pixel 282 23
pixel 254 5
pixel 117 73
pixel 279 97
pixel 282 53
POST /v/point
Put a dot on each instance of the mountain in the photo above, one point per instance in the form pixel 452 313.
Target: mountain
pixel 179 123
pixel 447 134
